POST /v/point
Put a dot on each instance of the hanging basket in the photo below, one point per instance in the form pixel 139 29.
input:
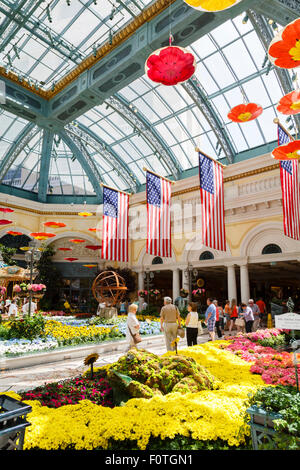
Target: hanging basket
pixel 170 65
pixel 284 50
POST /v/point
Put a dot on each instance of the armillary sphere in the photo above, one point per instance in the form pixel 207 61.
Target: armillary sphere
pixel 109 287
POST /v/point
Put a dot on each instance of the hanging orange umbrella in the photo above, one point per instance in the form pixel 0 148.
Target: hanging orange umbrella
pixel 54 224
pixel 14 234
pixel 85 214
pixel 71 259
pixel 245 112
pixel 42 235
pixel 5 222
pixel 284 50
pixel 93 247
pixel 90 265
pixel 291 151
pixel 77 240
pixel 290 103
pixel 6 209
pixel 211 5
pixel 94 229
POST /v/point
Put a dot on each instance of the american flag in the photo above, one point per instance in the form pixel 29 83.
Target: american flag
pixel 212 201
pixel 290 187
pixel 115 225
pixel 158 215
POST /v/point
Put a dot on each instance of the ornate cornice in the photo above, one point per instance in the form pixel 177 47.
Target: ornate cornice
pixel 128 30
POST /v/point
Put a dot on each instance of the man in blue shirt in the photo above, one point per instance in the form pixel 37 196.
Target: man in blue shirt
pixel 210 318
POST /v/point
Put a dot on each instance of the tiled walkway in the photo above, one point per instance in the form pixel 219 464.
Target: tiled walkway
pixel 30 377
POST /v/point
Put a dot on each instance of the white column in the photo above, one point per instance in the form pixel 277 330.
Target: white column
pixel 185 279
pixel 231 283
pixel 140 287
pixel 245 287
pixel 176 283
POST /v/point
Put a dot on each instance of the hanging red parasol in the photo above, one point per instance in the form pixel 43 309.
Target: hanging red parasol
pixel 284 50
pixel 65 249
pixel 290 103
pixel 94 247
pixel 71 259
pixel 211 5
pixel 6 209
pixel 14 234
pixel 77 240
pixel 54 224
pixel 170 65
pixel 290 151
pixel 94 229
pixel 245 112
pixel 5 222
pixel 42 235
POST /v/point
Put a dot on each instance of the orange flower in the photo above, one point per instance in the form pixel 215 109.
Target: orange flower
pixel 291 151
pixel 42 235
pixel 290 103
pixel 90 265
pixel 85 214
pixel 245 112
pixel 94 229
pixel 284 50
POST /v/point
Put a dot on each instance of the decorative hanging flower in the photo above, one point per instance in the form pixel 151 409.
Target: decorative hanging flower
pixel 54 224
pixel 142 293
pixel 6 209
pixel 85 214
pixel 5 222
pixel 291 151
pixel 290 103
pixel 170 65
pixel 65 249
pixel 212 5
pixel 71 259
pixel 284 50
pixel 17 288
pixel 14 234
pixel 245 112
pixel 24 248
pixel 94 247
pixel 90 265
pixel 42 235
pixel 154 292
pixel 77 240
pixel 94 229
pixel 198 291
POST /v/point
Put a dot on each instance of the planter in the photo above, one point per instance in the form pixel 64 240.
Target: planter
pixel 12 423
pixel 262 426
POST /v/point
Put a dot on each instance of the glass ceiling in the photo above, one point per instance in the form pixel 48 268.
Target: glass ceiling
pixel 230 63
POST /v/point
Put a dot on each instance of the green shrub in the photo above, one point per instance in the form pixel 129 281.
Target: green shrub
pixel 27 327
pixel 4 332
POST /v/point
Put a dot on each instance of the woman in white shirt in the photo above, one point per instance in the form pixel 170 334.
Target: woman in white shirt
pixel 13 309
pixel 133 326
pixel 191 324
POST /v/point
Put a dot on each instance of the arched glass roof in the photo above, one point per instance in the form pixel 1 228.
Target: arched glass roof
pixel 144 124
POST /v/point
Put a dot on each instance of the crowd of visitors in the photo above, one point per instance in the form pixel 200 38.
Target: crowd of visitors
pixel 243 318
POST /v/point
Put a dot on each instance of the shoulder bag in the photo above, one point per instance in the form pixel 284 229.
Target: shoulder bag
pixel 136 338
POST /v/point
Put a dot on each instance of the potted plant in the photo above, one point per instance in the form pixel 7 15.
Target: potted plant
pixel 142 293
pixel 154 292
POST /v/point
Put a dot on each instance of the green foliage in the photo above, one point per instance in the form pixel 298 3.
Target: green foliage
pixel 152 310
pixel 27 327
pixel 284 400
pixel 4 332
pixel 274 341
pixel 7 254
pixel 50 276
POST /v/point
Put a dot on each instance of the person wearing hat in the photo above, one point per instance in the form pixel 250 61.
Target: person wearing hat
pixel 169 316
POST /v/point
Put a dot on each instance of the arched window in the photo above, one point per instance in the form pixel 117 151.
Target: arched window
pixel 271 248
pixel 206 255
pixel 15 242
pixel 157 260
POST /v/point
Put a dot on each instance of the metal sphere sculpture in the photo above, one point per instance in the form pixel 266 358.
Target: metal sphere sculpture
pixel 109 287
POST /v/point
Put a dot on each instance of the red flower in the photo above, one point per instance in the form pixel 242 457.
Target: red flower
pixel 54 224
pixel 71 259
pixel 5 222
pixel 77 240
pixel 93 247
pixel 65 249
pixel 291 151
pixel 170 65
pixel 14 234
pixel 290 103
pixel 42 235
pixel 245 112
pixel 6 209
pixel 284 50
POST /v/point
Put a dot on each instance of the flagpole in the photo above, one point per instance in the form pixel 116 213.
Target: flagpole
pixel 276 121
pixel 114 189
pixel 156 174
pixel 216 161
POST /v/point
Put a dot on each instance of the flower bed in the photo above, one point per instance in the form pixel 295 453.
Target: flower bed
pixel 61 331
pixel 205 419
